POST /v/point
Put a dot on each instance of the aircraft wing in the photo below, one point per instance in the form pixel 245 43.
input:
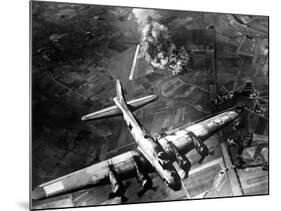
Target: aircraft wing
pixel 183 139
pixel 123 164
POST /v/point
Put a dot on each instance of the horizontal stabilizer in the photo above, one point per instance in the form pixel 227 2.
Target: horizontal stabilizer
pixel 114 110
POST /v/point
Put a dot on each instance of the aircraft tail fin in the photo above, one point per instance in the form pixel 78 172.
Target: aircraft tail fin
pixel 119 94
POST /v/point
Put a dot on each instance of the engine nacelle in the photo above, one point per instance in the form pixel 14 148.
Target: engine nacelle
pixel 181 160
pixel 117 187
pixel 142 177
pixel 144 180
pixel 199 146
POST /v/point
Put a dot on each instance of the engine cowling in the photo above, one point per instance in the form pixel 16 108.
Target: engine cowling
pixel 144 180
pixel 117 187
pixel 181 160
pixel 142 177
pixel 199 146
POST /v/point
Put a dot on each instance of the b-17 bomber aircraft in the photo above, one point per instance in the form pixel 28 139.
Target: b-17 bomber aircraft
pixel 151 155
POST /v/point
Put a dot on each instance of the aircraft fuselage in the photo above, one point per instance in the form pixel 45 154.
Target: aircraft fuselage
pixel 151 149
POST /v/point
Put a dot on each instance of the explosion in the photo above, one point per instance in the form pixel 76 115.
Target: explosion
pixel 156 44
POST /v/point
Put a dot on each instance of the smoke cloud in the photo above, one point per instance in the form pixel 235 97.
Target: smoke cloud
pixel 157 46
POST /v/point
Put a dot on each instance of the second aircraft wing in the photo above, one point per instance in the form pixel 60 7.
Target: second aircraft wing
pixel 185 138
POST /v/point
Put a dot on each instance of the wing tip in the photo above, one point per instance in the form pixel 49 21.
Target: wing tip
pixel 84 118
pixel 38 193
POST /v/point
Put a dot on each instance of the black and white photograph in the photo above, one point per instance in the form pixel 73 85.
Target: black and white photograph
pixel 133 105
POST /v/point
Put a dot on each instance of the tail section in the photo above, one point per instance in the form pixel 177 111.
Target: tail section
pixel 121 103
pixel 114 110
pixel 119 94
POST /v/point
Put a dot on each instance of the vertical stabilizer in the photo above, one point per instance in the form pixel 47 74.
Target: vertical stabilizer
pixel 119 94
pixel 121 103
